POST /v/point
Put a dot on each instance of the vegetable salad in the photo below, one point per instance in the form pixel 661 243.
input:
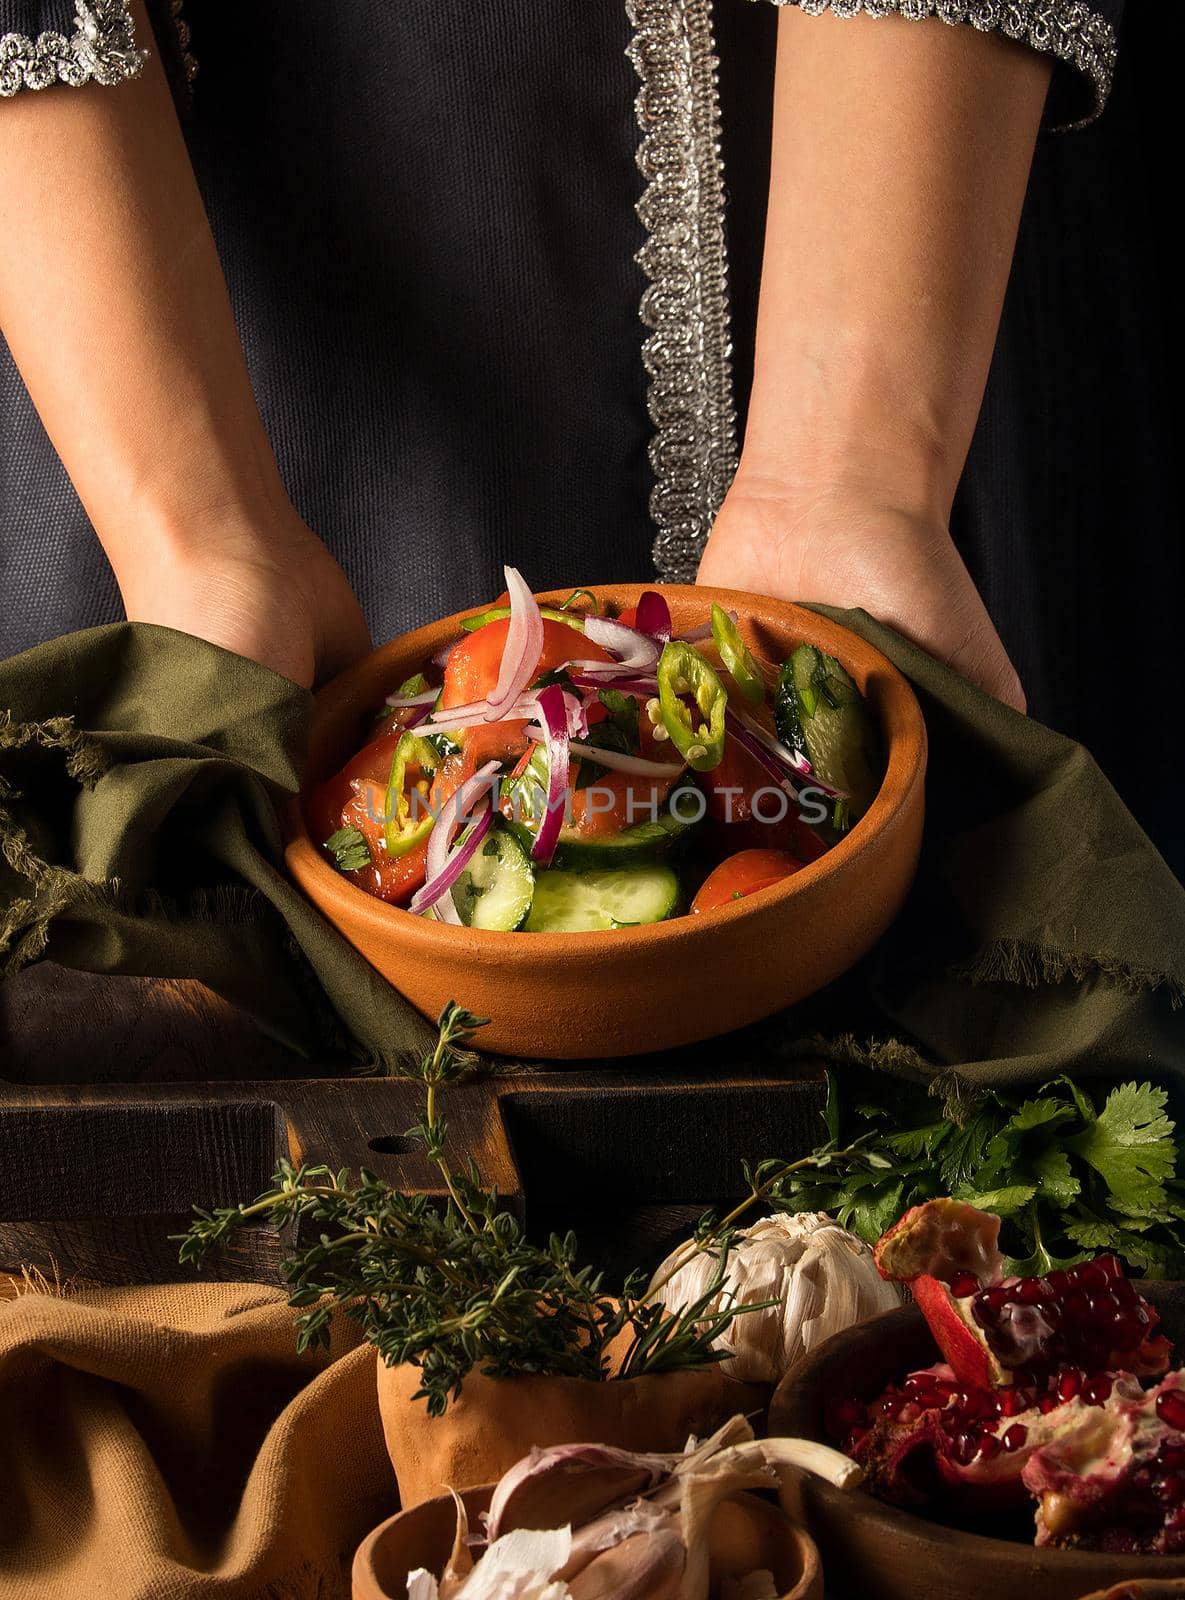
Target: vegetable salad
pixel 559 770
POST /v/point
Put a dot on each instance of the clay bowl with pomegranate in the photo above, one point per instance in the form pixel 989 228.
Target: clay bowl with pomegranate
pixel 638 989
pixel 881 1552
pixel 746 1533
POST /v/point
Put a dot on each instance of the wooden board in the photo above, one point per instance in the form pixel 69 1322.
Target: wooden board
pixel 124 1102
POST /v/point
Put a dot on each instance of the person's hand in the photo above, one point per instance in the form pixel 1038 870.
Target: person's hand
pixel 846 550
pixel 270 591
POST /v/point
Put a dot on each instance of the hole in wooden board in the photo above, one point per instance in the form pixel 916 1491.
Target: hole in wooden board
pixel 393 1144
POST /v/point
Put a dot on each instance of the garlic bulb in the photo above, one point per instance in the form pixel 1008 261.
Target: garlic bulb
pixel 821 1277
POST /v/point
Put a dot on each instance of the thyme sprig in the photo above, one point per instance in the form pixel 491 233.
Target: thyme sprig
pixel 456 1286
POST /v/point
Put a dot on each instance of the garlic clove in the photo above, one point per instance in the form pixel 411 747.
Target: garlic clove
pixel 646 1566
pixel 520 1566
pixel 614 1528
pixel 570 1483
pixel 460 1561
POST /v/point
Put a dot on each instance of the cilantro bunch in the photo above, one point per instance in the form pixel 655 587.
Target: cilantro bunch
pixel 1070 1173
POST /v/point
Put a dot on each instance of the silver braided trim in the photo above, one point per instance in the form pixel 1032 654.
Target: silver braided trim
pixel 184 40
pixel 688 355
pixel 1066 29
pixel 101 50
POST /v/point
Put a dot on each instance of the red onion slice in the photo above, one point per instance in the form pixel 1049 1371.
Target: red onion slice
pixel 653 616
pixel 554 715
pixel 764 758
pixel 796 763
pixel 617 761
pixel 443 869
pixel 632 648
pixel 524 646
pixel 628 683
pixel 424 698
pixel 697 635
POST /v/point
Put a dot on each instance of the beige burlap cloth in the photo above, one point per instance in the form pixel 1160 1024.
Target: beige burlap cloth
pixel 169 1444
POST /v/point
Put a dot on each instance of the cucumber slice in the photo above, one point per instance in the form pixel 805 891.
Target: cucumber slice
pixel 840 738
pixel 676 820
pixel 587 902
pixel 496 887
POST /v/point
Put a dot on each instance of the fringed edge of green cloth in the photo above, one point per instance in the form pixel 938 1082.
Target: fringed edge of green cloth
pixel 1029 965
pixel 25 928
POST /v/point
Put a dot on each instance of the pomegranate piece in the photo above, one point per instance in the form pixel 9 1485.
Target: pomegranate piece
pixel 1115 1479
pixel 934 1440
pixel 988 1327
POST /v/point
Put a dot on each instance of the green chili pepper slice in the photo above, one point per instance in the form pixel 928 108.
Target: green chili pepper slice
pixel 574 619
pixel 736 656
pixel 683 672
pixel 403 830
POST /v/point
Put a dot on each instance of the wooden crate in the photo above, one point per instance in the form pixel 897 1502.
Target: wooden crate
pixel 123 1102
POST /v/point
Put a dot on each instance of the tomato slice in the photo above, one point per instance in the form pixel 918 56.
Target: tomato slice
pixel 471 673
pixel 356 797
pixel 734 785
pixel 743 874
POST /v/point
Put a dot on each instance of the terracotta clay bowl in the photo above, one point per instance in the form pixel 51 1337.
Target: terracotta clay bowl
pixel 880 1552
pixel 746 1534
pixel 634 990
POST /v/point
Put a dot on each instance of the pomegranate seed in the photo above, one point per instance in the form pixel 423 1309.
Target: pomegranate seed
pixel 1170 1491
pixel 1076 1307
pixel 1068 1385
pixel 1098 1390
pixel 964 1284
pixel 1047 1404
pixel 1058 1282
pixel 1031 1292
pixel 963 1448
pixel 1110 1264
pixel 1170 1408
pixel 1092 1275
pixel 1011 1402
pixel 1014 1437
pixel 989 1447
pixel 1171 1456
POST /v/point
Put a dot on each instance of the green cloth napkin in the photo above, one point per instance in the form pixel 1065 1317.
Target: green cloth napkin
pixel 141 771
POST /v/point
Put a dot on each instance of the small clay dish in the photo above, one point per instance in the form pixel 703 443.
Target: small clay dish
pixel 881 1552
pixel 746 1534
pixel 633 990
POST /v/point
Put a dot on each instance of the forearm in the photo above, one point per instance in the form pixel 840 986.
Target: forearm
pixel 113 303
pixel 900 160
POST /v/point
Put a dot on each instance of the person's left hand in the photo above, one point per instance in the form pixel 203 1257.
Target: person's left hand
pixel 845 549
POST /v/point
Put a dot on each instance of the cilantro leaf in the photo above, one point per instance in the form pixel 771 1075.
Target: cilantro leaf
pixel 349 850
pixel 1129 1144
pixel 1004 1202
pixel 623 714
pixel 1039 1114
pixel 1056 1181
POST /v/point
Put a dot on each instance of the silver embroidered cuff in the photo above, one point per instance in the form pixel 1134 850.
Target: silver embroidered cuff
pixel 102 50
pixel 688 353
pixel 1068 30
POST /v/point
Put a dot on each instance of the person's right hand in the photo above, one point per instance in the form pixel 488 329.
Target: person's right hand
pixel 270 591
